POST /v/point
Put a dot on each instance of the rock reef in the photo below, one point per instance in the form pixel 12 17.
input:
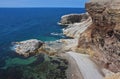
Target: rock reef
pixel 41 66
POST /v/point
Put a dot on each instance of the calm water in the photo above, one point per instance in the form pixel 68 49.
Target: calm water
pixel 17 24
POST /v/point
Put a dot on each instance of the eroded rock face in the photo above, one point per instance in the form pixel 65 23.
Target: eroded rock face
pixel 74 30
pixel 104 14
pixel 28 47
pixel 102 38
pixel 73 18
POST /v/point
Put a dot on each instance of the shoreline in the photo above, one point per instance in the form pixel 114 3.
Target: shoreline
pixel 61 46
pixel 54 48
pixel 90 51
pixel 73 30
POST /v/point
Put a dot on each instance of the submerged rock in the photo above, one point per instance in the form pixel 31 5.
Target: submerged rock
pixel 12 62
pixel 43 67
pixel 27 47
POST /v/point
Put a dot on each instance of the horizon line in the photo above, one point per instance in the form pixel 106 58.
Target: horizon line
pixel 42 7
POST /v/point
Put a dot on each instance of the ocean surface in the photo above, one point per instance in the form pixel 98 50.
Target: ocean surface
pixel 18 24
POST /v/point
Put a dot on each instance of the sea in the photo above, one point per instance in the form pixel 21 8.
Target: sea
pixel 19 24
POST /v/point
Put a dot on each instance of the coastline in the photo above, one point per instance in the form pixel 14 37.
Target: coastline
pixel 53 48
pixel 60 47
pixel 91 48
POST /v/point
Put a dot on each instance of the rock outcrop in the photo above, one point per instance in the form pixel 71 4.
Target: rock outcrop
pixel 72 18
pixel 27 47
pixel 75 24
pixel 59 46
pixel 102 37
pixel 114 76
pixel 74 30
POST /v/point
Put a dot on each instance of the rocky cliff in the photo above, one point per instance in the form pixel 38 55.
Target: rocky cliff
pixel 72 18
pixel 102 38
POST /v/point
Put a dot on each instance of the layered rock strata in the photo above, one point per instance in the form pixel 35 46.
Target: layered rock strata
pixel 102 37
pixel 74 30
pixel 72 18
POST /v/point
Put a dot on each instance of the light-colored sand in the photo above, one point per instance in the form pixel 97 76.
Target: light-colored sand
pixel 73 71
pixel 87 67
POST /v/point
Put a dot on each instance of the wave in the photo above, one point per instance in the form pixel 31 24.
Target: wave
pixel 13 48
pixel 58 34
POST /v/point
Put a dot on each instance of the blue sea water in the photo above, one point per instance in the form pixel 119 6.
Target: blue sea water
pixel 18 24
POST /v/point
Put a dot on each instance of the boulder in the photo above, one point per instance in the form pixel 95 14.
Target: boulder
pixel 27 47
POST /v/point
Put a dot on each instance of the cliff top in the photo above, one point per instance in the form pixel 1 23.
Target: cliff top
pixel 114 4
pixel 113 1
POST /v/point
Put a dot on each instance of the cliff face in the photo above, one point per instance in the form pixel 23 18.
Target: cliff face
pixel 72 18
pixel 102 38
pixel 75 24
